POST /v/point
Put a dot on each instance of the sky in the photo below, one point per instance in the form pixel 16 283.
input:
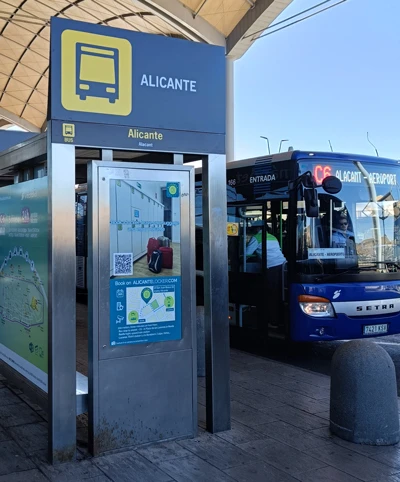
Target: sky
pixel 332 77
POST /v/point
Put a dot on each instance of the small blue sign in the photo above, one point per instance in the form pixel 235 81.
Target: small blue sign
pixel 145 310
pixel 172 189
pixel 119 136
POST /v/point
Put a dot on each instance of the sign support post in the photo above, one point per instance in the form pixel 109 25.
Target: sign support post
pixel 216 295
pixel 62 303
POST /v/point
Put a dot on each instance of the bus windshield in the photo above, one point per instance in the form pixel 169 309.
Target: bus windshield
pixel 357 229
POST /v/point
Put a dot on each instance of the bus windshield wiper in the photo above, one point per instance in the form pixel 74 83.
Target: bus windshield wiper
pixel 348 270
pixel 388 263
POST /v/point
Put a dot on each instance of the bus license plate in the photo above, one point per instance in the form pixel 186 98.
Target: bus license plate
pixel 375 329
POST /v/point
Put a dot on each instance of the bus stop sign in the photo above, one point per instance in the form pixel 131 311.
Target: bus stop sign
pixel 133 90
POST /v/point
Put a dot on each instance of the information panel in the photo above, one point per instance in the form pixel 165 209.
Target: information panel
pixel 24 279
pixel 145 262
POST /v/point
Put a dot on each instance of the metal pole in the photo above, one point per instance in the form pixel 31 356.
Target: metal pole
pixel 230 113
pixel 376 150
pixel 62 303
pixel 280 144
pixel 178 159
pixel 266 138
pixel 93 306
pixel 107 155
pixel 374 199
pixel 216 295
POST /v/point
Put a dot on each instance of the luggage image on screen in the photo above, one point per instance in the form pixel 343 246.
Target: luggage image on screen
pixel 164 241
pixel 167 261
pixel 155 263
pixel 152 245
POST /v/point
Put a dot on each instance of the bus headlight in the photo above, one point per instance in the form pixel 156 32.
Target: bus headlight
pixel 316 306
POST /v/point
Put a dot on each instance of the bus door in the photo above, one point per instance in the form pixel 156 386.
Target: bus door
pixel 245 269
pixel 250 228
pixel 276 278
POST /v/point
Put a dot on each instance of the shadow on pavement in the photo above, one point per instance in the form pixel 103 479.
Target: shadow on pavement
pixel 317 356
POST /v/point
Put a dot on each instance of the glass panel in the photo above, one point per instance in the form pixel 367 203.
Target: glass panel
pixel 243 316
pixel 276 216
pixel 81 224
pixel 359 227
pixel 254 249
pixel 245 246
pixel 24 269
pixel 145 264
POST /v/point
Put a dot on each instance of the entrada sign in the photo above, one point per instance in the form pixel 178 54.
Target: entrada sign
pixel 143 82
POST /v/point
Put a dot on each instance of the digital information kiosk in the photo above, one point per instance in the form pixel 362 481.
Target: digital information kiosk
pixel 143 377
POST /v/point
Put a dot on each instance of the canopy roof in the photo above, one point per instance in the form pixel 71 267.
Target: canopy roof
pixel 25 36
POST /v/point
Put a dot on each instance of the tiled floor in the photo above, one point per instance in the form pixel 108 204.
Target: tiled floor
pixel 280 418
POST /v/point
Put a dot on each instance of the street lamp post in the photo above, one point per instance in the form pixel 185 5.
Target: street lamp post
pixel 280 145
pixel 376 150
pixel 266 138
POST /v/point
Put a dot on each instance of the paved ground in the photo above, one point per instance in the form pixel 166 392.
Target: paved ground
pixel 317 356
pixel 279 434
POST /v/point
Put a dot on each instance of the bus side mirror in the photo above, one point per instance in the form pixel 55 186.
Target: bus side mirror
pixel 332 185
pixel 311 202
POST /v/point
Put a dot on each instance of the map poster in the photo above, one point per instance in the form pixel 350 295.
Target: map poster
pixel 145 310
pixel 24 279
pixel 145 261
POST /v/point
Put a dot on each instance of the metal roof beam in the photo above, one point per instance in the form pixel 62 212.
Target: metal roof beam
pixel 181 18
pixel 16 120
pixel 256 19
pixel 30 150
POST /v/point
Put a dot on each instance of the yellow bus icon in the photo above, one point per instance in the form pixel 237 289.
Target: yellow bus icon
pixel 68 130
pixel 96 73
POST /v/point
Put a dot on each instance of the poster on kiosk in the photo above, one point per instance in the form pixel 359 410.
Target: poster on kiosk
pixel 145 262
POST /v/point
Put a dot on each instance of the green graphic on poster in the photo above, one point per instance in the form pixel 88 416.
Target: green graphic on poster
pixel 24 279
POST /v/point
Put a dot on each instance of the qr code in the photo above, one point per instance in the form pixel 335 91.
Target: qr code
pixel 123 264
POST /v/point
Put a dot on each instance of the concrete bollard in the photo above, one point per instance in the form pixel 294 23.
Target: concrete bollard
pixel 363 405
pixel 201 348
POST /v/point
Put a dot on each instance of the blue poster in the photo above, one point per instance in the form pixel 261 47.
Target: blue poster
pixel 145 310
pixel 145 261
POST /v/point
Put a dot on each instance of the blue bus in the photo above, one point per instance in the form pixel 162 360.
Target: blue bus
pixel 336 218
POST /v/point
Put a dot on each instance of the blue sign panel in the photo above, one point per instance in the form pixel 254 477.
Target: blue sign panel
pixel 114 76
pixel 85 134
pixel 145 310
